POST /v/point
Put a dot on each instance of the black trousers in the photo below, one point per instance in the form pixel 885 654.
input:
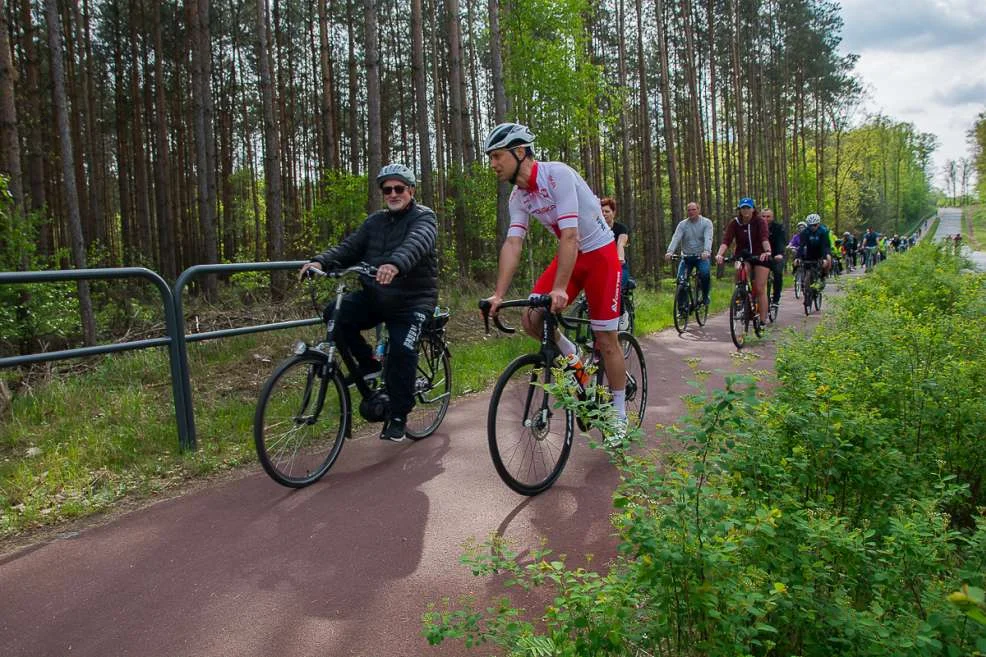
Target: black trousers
pixel 360 311
pixel 777 271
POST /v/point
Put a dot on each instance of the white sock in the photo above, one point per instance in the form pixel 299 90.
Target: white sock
pixel 620 403
pixel 566 346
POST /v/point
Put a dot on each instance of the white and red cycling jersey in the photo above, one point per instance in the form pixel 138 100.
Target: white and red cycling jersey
pixel 558 197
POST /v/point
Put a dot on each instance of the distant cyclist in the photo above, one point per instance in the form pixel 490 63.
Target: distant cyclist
pixel 816 244
pixel 694 235
pixel 849 249
pixel 868 244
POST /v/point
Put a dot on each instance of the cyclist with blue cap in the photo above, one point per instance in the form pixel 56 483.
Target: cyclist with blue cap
pixel 751 235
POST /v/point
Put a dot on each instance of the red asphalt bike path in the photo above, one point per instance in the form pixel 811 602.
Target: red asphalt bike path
pixel 347 566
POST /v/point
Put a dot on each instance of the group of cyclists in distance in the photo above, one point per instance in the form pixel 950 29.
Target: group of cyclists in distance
pixel 400 241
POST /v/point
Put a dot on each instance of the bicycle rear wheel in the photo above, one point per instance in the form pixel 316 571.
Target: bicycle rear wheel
pixel 636 387
pixel 301 420
pixel 799 277
pixel 529 437
pixel 771 306
pixel 681 307
pixel 738 317
pixel 432 388
pixel 701 309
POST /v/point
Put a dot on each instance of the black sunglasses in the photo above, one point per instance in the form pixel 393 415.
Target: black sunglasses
pixel 396 189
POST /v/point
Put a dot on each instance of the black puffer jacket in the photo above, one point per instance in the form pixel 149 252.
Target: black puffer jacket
pixel 405 239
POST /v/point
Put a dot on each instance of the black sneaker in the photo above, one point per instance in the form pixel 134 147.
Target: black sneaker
pixel 394 430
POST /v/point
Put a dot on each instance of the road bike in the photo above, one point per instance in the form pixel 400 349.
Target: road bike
pixel 688 297
pixel 529 432
pixel 799 274
pixel 813 285
pixel 304 412
pixel 744 312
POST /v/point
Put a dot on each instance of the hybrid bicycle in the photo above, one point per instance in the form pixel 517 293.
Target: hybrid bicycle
pixel 304 413
pixel 688 298
pixel 744 312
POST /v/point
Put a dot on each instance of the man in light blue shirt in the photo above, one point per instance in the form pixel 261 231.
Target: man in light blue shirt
pixel 694 234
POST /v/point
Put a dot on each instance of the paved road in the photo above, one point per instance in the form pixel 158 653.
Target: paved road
pixel 949 223
pixel 343 568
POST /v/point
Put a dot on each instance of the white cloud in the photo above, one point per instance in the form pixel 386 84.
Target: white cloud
pixel 923 61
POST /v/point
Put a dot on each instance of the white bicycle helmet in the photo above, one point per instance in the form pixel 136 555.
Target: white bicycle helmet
pixel 802 225
pixel 813 219
pixel 398 171
pixel 508 135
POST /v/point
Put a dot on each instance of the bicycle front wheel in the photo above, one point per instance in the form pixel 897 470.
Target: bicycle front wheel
pixel 301 421
pixel 799 278
pixel 529 437
pixel 432 389
pixel 738 317
pixel 681 307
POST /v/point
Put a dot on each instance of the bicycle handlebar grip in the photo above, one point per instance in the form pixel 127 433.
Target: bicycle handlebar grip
pixel 484 307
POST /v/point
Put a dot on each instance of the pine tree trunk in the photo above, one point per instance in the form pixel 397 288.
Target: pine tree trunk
pixel 421 102
pixel 373 127
pixel 499 111
pixel 272 149
pixel 669 132
pixel 330 139
pixel 68 172
pixel 10 149
pixel 162 166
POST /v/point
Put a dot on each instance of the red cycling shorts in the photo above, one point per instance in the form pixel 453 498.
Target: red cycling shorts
pixel 598 273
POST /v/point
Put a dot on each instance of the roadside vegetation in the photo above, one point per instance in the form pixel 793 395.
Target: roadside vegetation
pixel 974 227
pixel 841 515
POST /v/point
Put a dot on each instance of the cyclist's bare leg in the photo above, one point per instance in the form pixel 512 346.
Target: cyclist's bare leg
pixel 613 360
pixel 532 320
pixel 759 279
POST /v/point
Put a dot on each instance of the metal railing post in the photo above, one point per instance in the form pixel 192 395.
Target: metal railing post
pixel 186 434
pixel 181 341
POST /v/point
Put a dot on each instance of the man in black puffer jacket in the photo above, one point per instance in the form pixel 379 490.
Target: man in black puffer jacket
pixel 401 242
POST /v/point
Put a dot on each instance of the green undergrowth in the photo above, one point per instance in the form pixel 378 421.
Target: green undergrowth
pixel 77 437
pixel 840 515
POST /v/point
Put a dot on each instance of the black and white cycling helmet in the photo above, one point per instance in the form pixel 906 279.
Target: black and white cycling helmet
pixel 813 219
pixel 508 135
pixel 398 172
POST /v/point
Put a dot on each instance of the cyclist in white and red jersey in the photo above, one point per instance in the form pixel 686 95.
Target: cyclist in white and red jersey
pixel 559 198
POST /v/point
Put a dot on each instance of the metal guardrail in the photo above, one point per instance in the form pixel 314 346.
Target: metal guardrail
pixel 176 339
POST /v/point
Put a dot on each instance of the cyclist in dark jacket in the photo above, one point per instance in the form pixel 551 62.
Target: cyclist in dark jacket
pixel 778 241
pixel 401 242
pixel 816 244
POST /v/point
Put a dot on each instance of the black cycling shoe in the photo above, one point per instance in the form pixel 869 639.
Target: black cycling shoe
pixel 394 430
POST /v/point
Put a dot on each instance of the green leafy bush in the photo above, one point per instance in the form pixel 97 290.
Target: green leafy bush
pixel 833 518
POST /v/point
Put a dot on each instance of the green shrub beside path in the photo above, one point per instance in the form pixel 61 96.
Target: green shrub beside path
pixel 835 517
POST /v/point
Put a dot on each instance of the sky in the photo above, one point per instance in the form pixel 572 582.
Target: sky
pixel 924 62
